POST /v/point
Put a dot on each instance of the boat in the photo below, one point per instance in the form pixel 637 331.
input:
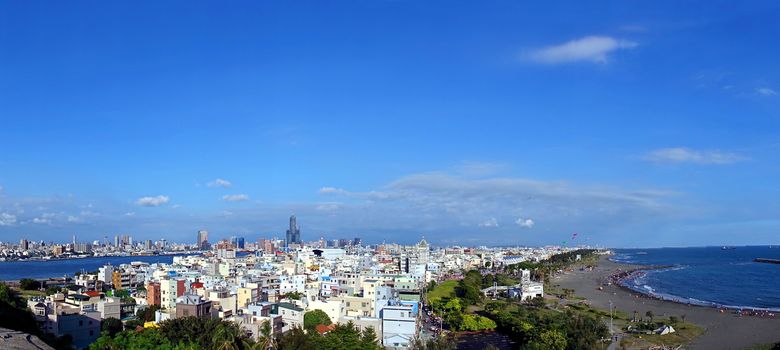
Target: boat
pixel 727 248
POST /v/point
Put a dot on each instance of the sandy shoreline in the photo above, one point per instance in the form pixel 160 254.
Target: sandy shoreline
pixel 722 330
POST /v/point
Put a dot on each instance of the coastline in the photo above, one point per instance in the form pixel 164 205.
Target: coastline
pixel 624 277
pixel 723 330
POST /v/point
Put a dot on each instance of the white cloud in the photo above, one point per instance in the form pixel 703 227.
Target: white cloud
pixel 527 223
pixel 687 155
pixel 131 213
pixel 332 190
pixel 220 183
pixel 588 49
pixel 371 195
pixel 152 201
pixel 328 207
pixel 44 219
pixel 765 91
pixel 492 222
pixel 7 219
pixel 75 219
pixel 235 198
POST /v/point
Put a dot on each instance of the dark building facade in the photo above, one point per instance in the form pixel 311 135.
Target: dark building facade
pixel 294 232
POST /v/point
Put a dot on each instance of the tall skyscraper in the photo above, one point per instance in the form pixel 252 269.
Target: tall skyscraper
pixel 294 233
pixel 203 239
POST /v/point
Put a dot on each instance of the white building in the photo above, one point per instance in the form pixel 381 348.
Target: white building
pixel 399 324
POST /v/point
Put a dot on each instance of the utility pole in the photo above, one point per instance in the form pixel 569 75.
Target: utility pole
pixel 610 318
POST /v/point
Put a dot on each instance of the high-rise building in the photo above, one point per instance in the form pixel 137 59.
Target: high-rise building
pixel 24 244
pixel 357 242
pixel 294 233
pixel 238 242
pixel 203 239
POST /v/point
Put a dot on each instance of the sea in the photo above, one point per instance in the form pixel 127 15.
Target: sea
pixel 708 276
pixel 16 270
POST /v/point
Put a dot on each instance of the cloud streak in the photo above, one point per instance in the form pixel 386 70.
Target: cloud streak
pixel 152 201
pixel 220 183
pixel 687 155
pixel 235 198
pixel 594 49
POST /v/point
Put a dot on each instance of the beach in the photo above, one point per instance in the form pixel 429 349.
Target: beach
pixel 723 330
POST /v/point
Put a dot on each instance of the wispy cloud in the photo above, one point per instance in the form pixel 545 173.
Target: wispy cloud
pixel 220 183
pixel 596 49
pixel 152 201
pixel 454 204
pixel 7 219
pixel 526 223
pixel 235 198
pixel 765 91
pixel 687 155
pixel 492 222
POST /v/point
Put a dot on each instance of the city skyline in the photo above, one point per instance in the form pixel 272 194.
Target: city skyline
pixel 631 125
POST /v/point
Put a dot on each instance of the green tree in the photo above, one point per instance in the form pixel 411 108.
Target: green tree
pixel 296 339
pixel 266 339
pixel 315 317
pixel 146 339
pixel 673 320
pixel 538 302
pixel 29 284
pixel 439 343
pixel 369 339
pixel 552 340
pixel 650 315
pixel 431 285
pixel 111 326
pixel 477 323
pixel 147 314
pixel 226 338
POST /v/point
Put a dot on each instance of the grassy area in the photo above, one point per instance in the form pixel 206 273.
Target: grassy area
pixel 683 335
pixel 26 294
pixel 445 289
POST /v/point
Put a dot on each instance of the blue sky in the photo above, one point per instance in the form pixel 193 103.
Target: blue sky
pixel 630 123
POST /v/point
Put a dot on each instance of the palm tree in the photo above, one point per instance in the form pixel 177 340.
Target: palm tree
pixel 266 339
pixel 226 338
